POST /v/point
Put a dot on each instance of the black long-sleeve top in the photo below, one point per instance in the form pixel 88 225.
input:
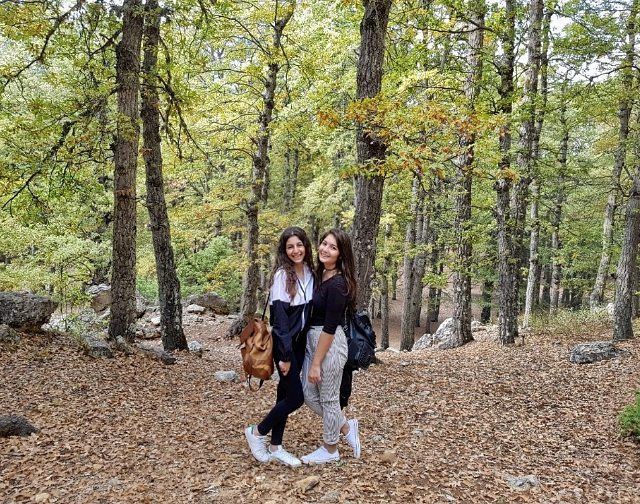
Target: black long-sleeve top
pixel 289 317
pixel 329 304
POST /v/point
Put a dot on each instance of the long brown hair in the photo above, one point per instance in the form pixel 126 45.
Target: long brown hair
pixel 283 261
pixel 345 262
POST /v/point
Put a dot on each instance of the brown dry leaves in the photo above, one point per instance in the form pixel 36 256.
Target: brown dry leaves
pixel 436 427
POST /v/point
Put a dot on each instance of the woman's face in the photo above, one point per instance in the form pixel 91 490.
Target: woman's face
pixel 295 250
pixel 328 252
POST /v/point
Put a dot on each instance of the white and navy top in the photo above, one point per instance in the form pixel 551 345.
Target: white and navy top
pixel 289 317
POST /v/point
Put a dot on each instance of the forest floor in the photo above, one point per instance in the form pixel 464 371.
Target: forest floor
pixel 436 426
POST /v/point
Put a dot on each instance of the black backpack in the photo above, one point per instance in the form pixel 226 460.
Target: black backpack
pixel 361 340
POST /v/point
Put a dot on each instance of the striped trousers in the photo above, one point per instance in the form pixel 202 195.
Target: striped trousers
pixel 324 397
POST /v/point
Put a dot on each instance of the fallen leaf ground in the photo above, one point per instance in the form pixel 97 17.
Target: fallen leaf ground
pixel 436 427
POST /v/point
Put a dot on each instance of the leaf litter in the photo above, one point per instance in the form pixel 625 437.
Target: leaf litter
pixel 436 426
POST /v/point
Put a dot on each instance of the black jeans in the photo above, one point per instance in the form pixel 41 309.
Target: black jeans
pixel 289 396
pixel 345 386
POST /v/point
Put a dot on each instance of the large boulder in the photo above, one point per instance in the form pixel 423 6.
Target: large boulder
pixel 443 338
pixel 588 353
pixel 212 301
pixel 24 310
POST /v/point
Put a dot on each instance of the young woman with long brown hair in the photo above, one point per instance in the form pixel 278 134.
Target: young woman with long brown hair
pixel 326 352
pixel 290 301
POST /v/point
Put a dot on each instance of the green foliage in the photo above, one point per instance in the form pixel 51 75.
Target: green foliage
pixel 629 419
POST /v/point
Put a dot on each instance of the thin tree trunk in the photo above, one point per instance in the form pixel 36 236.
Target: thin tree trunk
pixel 487 294
pixel 624 113
pixel 168 284
pixel 394 281
pixel 406 324
pixel 371 149
pixel 123 279
pixel 384 291
pixel 556 216
pixel 260 177
pixel 545 295
pixel 463 182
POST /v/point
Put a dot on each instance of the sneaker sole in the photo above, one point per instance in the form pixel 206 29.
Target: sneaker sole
pixel 284 463
pixel 356 449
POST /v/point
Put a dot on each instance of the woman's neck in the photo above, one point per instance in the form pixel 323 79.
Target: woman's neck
pixel 299 269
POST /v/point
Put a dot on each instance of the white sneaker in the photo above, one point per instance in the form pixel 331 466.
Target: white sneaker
pixel 353 437
pixel 321 456
pixel 257 445
pixel 284 457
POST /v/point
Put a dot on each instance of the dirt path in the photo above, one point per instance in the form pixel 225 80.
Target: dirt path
pixel 436 427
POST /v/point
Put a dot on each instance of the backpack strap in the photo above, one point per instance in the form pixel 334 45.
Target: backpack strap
pixel 264 311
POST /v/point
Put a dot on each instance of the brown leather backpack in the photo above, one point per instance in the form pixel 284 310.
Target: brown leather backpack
pixel 256 348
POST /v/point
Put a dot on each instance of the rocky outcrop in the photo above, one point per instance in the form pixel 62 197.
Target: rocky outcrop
pixel 211 301
pixel 25 311
pixel 588 353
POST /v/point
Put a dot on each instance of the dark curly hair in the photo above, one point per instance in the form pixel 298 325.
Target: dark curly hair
pixel 283 261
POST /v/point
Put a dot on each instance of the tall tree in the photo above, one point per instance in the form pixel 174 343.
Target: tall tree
pixel 624 113
pixel 463 179
pixel 371 148
pixel 533 277
pixel 260 165
pixel 123 278
pixel 168 284
pixel 508 301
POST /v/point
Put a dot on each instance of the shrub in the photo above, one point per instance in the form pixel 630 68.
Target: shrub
pixel 629 419
pixel 566 322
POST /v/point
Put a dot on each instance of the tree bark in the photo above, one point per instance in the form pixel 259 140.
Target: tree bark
pixel 624 113
pixel 371 149
pixel 260 177
pixel 487 294
pixel 507 305
pixel 463 181
pixel 168 284
pixel 123 279
pixel 556 215
pixel 627 264
pixel 406 324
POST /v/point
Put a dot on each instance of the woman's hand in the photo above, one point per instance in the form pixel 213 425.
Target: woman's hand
pixel 284 367
pixel 314 373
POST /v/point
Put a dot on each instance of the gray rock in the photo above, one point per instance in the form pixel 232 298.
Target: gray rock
pixel 97 348
pixel 24 310
pixel 522 483
pixel 100 297
pixel 610 309
pixel 194 308
pixel 226 376
pixel 196 348
pixel 587 353
pixel 168 358
pixel 147 333
pixel 442 339
pixel 15 425
pixel 477 326
pixel 8 335
pixel 211 301
pixel 331 496
pixel 155 321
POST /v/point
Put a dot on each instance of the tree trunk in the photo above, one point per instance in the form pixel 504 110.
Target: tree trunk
pixel 123 279
pixel 463 181
pixel 292 166
pixel 420 260
pixel 168 284
pixel 507 305
pixel 545 294
pixel 384 291
pixel 487 294
pixel 624 113
pixel 556 216
pixel 622 315
pixel 394 281
pixel 371 149
pixel 406 324
pixel 260 178
pixel 534 263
